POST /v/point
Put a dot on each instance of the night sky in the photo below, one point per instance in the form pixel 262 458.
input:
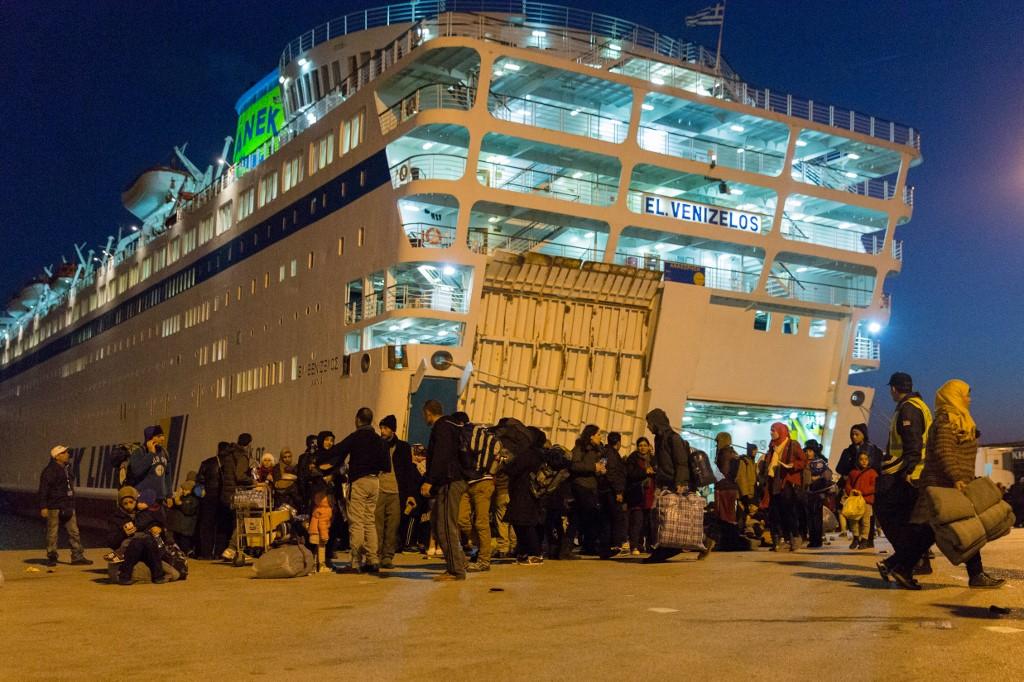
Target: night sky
pixel 95 92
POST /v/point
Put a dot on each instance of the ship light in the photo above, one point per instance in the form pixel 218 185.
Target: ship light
pixel 589 235
pixel 687 419
pixel 850 175
pixel 798 216
pixel 874 327
pixel 658 80
pixel 539 34
pixel 736 128
pixel 802 268
pixel 691 408
pixel 793 415
pixel 743 413
pixel 843 225
pixel 310 118
pixel 853 156
pixel 498 158
pixel 795 202
pixel 394 328
pixel 135 228
pixel 427 145
pixel 647 107
pixel 303 62
pixel 574 112
pixel 448 271
pixel 282 80
pixel 577 175
pixel 614 47
pixel 801 143
pixel 512 66
pixel 776 416
pixel 493 219
pixel 741 151
pixel 737 192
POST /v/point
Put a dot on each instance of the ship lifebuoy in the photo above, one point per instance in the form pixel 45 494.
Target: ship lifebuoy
pixel 432 236
pixel 403 172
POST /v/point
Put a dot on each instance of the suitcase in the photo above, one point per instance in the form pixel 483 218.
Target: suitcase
pixel 680 521
pixel 701 473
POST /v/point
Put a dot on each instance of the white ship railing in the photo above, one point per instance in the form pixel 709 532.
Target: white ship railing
pixel 866 349
pixel 428 167
pixel 429 235
pixel 837 238
pixel 484 242
pixel 817 292
pixel 688 147
pixel 553 117
pixel 434 96
pixel 545 183
pixel 438 297
pixel 847 181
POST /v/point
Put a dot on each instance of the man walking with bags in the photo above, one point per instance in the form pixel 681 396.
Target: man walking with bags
pixel 671 470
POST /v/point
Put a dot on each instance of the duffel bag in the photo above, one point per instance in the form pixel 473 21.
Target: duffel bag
pixel 701 473
pixel 287 561
pixel 680 521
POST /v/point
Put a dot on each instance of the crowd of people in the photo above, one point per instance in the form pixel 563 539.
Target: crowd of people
pixel 475 494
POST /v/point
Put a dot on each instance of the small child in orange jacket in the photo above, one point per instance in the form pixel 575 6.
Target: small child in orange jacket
pixel 320 528
pixel 861 481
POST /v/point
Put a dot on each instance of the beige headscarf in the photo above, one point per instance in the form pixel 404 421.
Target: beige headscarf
pixel 953 399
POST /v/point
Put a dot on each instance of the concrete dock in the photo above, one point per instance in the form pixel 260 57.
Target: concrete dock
pixel 814 614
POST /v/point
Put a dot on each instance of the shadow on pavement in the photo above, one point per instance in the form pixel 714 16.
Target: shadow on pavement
pixel 828 565
pixel 863 581
pixel 981 612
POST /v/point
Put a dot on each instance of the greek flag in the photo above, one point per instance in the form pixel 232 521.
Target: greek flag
pixel 709 16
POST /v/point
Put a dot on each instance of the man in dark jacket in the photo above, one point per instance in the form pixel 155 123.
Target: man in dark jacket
pixel 446 483
pixel 208 534
pixel 398 485
pixel 896 495
pixel 671 469
pixel 57 506
pixel 234 473
pixel 367 457
pixel 150 465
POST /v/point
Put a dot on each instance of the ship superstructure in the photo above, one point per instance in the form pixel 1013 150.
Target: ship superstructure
pixel 591 218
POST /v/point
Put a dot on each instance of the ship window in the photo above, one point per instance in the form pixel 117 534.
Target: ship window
pixel 762 320
pixel 224 218
pixel 817 328
pixel 344 189
pixel 246 202
pixel 310 259
pixel 266 280
pixel 360 236
pixel 295 367
pixel 280 276
pixel 341 246
pixel 205 229
pixel 353 342
pixel 268 188
pixel 362 178
pixel 791 324
pixel 292 172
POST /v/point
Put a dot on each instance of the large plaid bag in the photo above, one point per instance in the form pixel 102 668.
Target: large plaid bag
pixel 680 521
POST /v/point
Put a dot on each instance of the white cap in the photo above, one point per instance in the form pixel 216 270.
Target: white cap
pixel 57 449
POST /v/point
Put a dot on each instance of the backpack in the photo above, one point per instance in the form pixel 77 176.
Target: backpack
pixel 120 461
pixel 551 474
pixel 700 469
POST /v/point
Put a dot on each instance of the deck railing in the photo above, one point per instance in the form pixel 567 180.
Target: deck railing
pixel 429 235
pixel 428 167
pixel 554 117
pixel 536 181
pixel 438 297
pixel 865 348
pixel 703 150
pixel 817 292
pixel 433 96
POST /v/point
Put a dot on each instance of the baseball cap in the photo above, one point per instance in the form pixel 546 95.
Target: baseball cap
pixel 57 449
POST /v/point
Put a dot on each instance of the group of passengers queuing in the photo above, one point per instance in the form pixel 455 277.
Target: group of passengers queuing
pixel 476 492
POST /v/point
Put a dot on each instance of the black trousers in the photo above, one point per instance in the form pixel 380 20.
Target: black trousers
pixel 527 540
pixel 783 515
pixel 613 520
pixel 588 518
pixel 206 529
pixel 815 523
pixel 559 542
pixel 640 535
pixel 144 550
pixel 894 503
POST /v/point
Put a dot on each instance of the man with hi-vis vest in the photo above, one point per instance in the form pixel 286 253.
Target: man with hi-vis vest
pixel 896 491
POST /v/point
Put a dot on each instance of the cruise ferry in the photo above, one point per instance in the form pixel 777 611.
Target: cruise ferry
pixel 520 209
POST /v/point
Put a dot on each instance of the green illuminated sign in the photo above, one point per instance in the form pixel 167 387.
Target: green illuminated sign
pixel 260 122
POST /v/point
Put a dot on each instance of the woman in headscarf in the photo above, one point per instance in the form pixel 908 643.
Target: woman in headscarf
pixel 586 467
pixel 786 461
pixel 950 453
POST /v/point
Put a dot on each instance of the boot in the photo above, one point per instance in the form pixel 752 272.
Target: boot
pixel 855 544
pixel 985 581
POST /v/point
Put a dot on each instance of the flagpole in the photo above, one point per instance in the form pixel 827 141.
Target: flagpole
pixel 718 52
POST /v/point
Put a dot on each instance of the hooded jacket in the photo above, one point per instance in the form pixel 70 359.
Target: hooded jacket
pixel 726 458
pixel 671 452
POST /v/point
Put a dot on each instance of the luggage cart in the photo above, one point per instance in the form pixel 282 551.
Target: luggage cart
pixel 253 506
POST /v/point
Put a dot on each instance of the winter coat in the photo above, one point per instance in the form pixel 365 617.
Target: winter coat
pixel 585 456
pixel 234 472
pixel 614 479
pixel 848 460
pixel 793 455
pixel 443 450
pixel 671 453
pixel 143 519
pixel 949 456
pixel 151 471
pixel 523 508
pixel 320 520
pixel 181 518
pixel 57 487
pixel 746 476
pixel 863 480
pixel 727 461
pixel 406 473
pixel 639 484
pixel 209 477
pixel 365 452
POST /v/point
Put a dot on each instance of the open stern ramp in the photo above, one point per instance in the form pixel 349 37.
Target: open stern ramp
pixel 561 343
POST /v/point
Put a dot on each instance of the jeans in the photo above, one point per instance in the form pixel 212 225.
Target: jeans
pixel 505 537
pixel 362 524
pixel 475 517
pixel 640 529
pixel 53 530
pixel 446 525
pixel 782 511
pixel 388 514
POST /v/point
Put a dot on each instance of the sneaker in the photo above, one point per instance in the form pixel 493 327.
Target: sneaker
pixel 855 544
pixel 904 581
pixel 387 563
pixel 477 567
pixel 51 561
pixel 709 546
pixel 447 577
pixel 526 561
pixel 81 561
pixel 346 570
pixel 985 581
pixel 228 554
pixel 324 569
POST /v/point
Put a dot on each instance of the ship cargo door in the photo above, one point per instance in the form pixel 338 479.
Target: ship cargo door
pixel 560 343
pixel 442 389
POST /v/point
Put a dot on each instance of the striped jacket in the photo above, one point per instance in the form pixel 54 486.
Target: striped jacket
pixel 950 455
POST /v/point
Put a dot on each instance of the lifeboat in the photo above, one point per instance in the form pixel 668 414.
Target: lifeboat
pixel 152 190
pixel 33 292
